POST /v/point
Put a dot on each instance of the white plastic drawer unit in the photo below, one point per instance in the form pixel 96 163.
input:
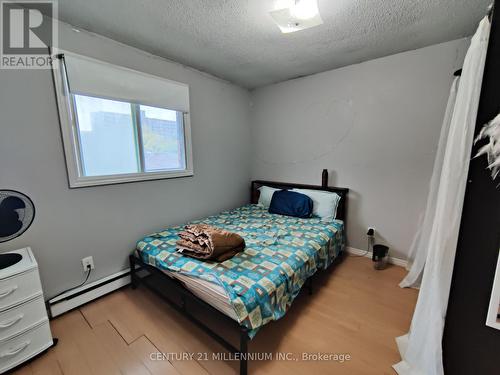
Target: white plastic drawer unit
pixel 17 349
pixel 24 326
pixel 22 317
pixel 19 288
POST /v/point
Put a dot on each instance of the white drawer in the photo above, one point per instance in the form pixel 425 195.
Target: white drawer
pixel 20 348
pixel 17 289
pixel 21 317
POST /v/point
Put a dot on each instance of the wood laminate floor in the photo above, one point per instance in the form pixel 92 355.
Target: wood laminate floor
pixel 354 310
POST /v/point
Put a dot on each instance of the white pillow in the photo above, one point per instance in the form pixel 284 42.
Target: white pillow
pixel 325 203
pixel 266 194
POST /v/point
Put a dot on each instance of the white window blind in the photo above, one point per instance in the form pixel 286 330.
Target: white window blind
pixel 91 77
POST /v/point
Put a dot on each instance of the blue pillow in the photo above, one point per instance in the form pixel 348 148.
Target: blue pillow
pixel 290 203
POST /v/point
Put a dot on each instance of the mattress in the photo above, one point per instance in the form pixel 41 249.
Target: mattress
pixel 208 291
pixel 259 284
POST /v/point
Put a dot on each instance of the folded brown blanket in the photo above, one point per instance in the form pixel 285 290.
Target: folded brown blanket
pixel 203 241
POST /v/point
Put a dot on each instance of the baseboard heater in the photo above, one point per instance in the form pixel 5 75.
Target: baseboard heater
pixel 86 293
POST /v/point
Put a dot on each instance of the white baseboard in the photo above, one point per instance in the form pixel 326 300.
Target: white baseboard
pixel 87 293
pixel 80 296
pixel 396 261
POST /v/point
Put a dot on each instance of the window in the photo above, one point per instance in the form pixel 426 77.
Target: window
pixel 120 125
pixel 120 138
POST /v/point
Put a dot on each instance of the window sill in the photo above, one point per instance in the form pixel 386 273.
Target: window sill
pixel 126 178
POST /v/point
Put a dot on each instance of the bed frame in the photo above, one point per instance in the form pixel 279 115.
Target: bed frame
pixel 186 298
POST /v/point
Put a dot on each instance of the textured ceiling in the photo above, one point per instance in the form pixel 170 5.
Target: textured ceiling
pixel 238 41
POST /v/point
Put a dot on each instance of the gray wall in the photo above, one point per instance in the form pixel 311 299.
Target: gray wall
pixel 374 125
pixel 105 221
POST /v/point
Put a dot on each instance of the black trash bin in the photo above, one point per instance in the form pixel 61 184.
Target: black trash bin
pixel 380 256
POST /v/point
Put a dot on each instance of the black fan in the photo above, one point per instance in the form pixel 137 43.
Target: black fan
pixel 16 215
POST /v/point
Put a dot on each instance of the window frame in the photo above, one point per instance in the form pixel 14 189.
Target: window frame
pixel 71 143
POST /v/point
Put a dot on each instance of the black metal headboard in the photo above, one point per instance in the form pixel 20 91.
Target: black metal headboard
pixel 342 192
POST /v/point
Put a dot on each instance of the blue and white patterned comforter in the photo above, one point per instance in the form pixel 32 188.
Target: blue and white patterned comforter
pixel 263 280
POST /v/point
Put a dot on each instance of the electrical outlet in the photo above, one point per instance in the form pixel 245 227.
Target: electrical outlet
pixel 88 261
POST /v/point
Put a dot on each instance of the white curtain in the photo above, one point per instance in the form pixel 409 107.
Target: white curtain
pixel 420 245
pixel 421 348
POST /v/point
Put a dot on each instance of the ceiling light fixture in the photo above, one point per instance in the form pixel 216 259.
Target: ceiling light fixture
pixel 296 15
pixel 305 9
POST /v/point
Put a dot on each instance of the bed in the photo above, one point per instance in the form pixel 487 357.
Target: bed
pixel 256 286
